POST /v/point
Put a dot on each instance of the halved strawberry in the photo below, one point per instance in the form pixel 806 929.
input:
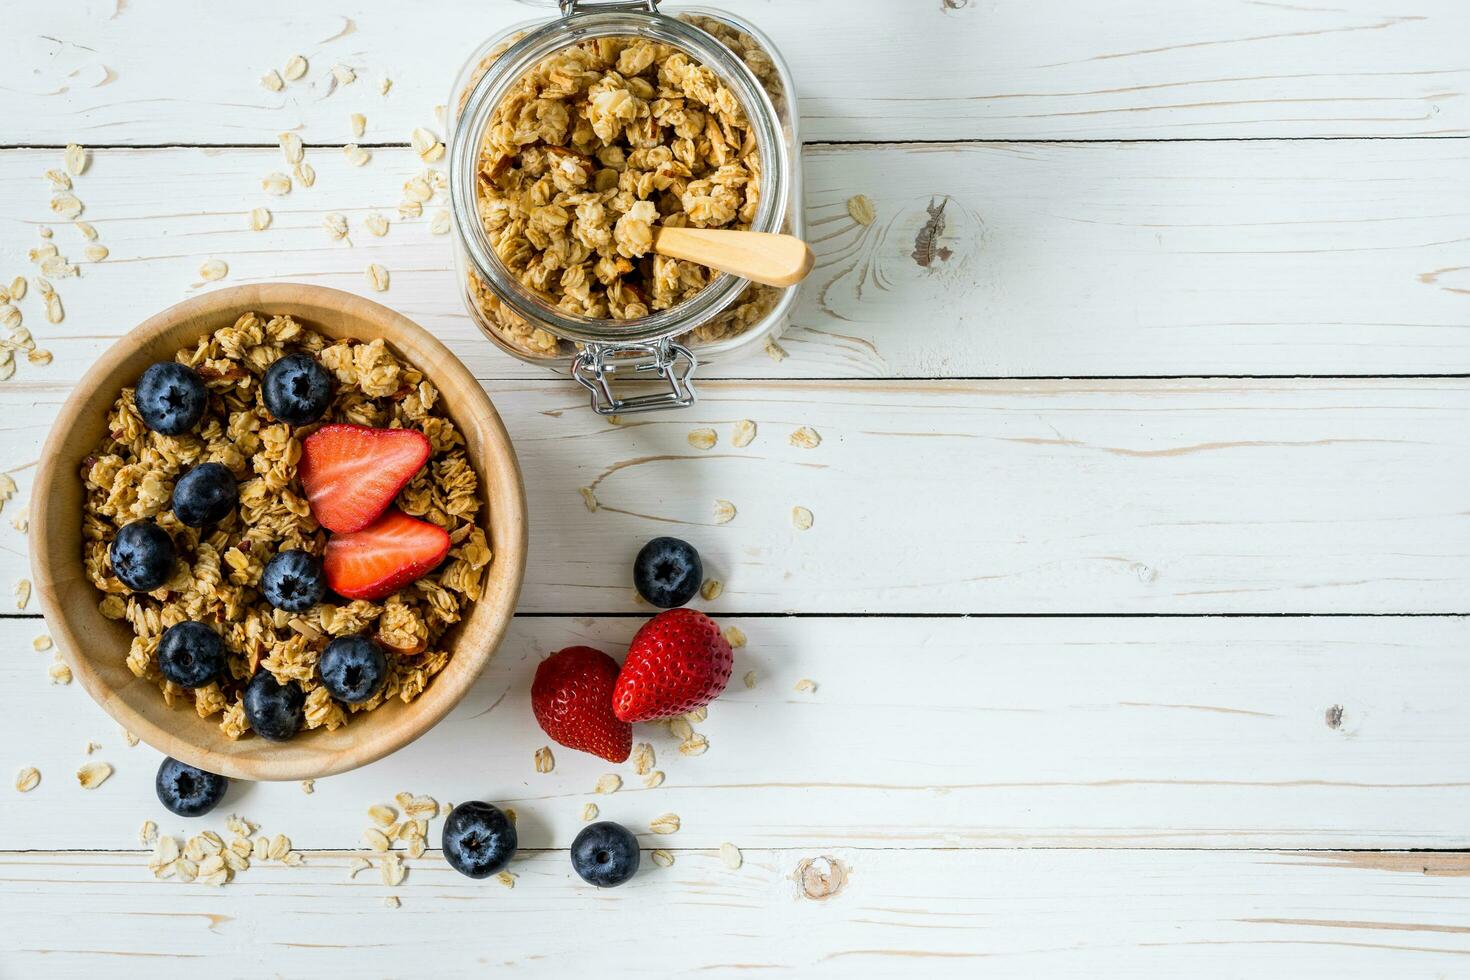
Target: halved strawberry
pixel 351 473
pixel 384 557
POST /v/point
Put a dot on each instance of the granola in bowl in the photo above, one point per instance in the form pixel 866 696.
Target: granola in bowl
pixel 591 150
pixel 215 576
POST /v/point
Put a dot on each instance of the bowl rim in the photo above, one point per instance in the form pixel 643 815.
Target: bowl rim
pixel 509 555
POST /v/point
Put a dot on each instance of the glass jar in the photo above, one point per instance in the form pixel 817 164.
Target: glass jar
pixel 728 315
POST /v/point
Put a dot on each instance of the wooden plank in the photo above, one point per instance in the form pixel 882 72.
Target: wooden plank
pixel 1009 913
pixel 865 69
pixel 1073 732
pixel 990 497
pixel 1275 258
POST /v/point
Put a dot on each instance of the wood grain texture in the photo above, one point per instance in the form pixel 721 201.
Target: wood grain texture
pixel 87 639
pixel 1049 497
pixel 1018 914
pixel 960 733
pixel 1276 258
pixel 112 72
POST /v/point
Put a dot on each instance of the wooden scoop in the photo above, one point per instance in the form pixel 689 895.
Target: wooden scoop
pixel 775 260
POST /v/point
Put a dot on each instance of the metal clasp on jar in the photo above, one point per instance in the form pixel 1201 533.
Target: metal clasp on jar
pixel 569 7
pixel 597 365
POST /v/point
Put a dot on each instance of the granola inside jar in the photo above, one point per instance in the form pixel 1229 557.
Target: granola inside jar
pixel 572 141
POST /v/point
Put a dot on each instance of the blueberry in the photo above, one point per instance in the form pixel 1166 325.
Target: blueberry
pixel 205 495
pixel 274 710
pixel 293 580
pixel 170 398
pixel 605 854
pixel 353 668
pixel 142 556
pixel 191 654
pixel 479 839
pixel 667 572
pixel 187 791
pixel 297 389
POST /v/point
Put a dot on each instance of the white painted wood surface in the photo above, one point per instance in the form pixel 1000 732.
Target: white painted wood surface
pixel 1025 768
pixel 1271 258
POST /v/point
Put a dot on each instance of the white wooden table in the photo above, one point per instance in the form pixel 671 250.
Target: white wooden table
pixel 1135 590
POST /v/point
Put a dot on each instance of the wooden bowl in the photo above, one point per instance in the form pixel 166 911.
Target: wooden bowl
pixel 96 648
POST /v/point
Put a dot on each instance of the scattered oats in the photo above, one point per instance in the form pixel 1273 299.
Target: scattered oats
pixel 91 747
pixel 376 839
pixel 711 589
pixel 589 499
pixel 260 848
pixel 295 68
pixel 666 824
pixel 356 155
pixel 272 80
pixel 695 744
pixel 213 269
pixel 43 287
pixel 724 512
pixel 698 715
pixel 643 758
pixel 239 826
pixel 410 209
pixel 420 807
pixel 392 869
pixel 703 438
pixel 417 849
pixel 75 158
pixel 88 232
pixel 776 352
pixel 95 253
pixel 7 365
pixel 40 358
pixel 654 779
pixel 7 488
pixel 384 84
pixel 293 859
pixel 278 848
pixel 376 224
pixel 743 434
pixel 18 287
pixel 66 205
pixel 129 737
pixel 392 902
pixel 424 143
pixel 805 438
pixel 165 853
pixel 441 112
pixel 417 189
pixel 308 786
pixel 343 74
pixel 291 147
pixel 148 833
pixel 356 864
pixel 42 642
pixel 59 180
pixel 806 685
pixel 589 811
pixel 545 761
pixel 44 232
pixel 305 174
pixel 54 312
pixel 60 673
pixel 609 783
pixel 750 677
pixel 439 224
pixel 93 774
pixel 661 857
pixel 382 815
pixel 336 225
pixel 801 518
pixel 680 728
pixel 260 219
pixel 359 124
pixel 378 276
pixel 29 778
pixel 507 879
pixel 276 183
pixel 861 209
pixel 730 854
pixel 10 317
pixel 734 636
pixel 58 267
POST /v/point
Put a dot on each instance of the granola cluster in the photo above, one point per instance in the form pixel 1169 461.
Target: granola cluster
pixel 131 475
pixel 592 149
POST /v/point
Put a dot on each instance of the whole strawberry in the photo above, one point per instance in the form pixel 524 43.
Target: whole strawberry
pixel 676 663
pixel 572 699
